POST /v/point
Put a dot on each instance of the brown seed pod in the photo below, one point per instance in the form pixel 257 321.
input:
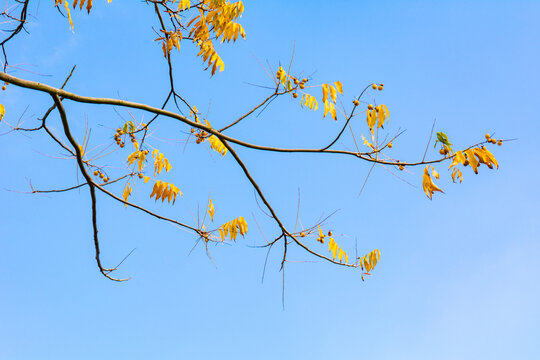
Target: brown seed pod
pixel 370 107
pixel 302 86
pixel 401 167
pixel 141 176
pixel 374 86
pixel 295 95
pixel 487 137
pixel 499 142
pixel 356 102
pixel 390 145
pixel 380 87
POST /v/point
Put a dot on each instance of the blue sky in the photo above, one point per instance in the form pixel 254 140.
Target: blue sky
pixel 458 277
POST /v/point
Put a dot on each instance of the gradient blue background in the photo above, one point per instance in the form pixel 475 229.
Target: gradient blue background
pixel 459 275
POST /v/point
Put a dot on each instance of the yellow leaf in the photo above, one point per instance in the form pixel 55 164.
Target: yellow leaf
pixel 333 112
pixel 428 185
pixel 472 160
pixel 488 155
pixel 339 87
pixel 333 93
pixel 458 158
pixel 371 119
pixel 2 111
pixel 325 93
pixel 457 173
pixel 382 112
pixel 127 192
pixel 211 209
pixel 69 14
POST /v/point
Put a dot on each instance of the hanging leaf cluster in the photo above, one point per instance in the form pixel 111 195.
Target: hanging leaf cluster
pixel 337 251
pixel 330 107
pixel 217 145
pixel 164 191
pixel 376 115
pixel 160 162
pixel 232 228
pixel 369 261
pixel 217 17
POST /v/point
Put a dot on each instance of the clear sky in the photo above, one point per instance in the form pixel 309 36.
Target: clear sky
pixel 458 277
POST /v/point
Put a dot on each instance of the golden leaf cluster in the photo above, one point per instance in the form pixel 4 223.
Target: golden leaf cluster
pixel 139 156
pixel 164 191
pixel 160 162
pixel 337 251
pixel 427 182
pixel 75 3
pixel 285 79
pixel 332 90
pixel 376 115
pixel 184 5
pixel 217 145
pixel 309 101
pixel 81 4
pixel 232 228
pixel 170 40
pixel 218 17
pixel 475 157
pixel 369 261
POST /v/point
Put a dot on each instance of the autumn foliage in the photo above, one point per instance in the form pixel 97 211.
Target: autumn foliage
pixel 203 24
